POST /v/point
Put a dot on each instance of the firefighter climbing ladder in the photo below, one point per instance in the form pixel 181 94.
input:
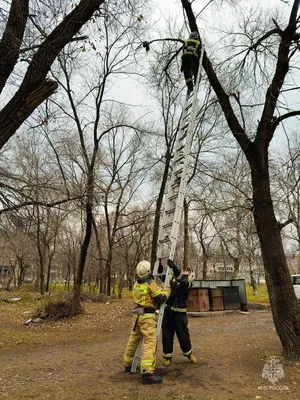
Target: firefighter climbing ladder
pixel 171 219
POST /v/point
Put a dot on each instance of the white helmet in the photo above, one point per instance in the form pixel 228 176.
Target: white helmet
pixel 194 35
pixel 143 269
pixel 190 274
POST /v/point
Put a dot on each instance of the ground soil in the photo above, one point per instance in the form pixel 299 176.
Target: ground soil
pixel 81 359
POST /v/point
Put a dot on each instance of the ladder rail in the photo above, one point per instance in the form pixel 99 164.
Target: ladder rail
pixel 185 132
pixel 183 181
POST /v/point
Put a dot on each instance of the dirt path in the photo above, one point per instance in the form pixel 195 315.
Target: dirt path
pixel 82 360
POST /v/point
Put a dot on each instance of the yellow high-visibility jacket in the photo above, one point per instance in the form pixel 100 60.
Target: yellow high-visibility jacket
pixel 146 293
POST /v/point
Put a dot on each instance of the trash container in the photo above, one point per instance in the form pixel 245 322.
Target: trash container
pixel 198 300
pixel 216 299
pixel 231 298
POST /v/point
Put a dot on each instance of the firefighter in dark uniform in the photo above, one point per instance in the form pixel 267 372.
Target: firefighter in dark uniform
pixel 175 318
pixel 190 59
pixel 147 296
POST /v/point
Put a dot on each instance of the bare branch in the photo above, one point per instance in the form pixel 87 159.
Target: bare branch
pixel 282 66
pixel 282 225
pixel 277 121
pixel 76 39
pixel 38 203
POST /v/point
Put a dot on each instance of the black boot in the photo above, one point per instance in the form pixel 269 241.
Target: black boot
pixel 148 379
pixel 127 369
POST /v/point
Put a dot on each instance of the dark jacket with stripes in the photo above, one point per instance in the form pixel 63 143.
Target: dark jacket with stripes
pixel 192 47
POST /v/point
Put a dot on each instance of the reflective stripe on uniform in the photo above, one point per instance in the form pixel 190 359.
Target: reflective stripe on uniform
pixel 191 49
pixel 197 42
pixel 168 355
pixel 187 353
pixel 180 276
pixel 147 315
pixel 147 362
pixel 179 309
pixel 128 359
pixel 157 293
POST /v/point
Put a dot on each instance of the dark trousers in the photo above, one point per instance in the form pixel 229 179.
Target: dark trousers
pixel 175 322
pixel 190 66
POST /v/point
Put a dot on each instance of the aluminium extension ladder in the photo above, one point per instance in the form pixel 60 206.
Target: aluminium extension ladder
pixel 171 219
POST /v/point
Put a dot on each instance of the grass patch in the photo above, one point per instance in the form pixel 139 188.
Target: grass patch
pixel 262 296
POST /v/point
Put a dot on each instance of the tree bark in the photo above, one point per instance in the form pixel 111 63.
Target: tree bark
pixel 24 102
pixel 204 262
pixel 83 253
pixel 186 235
pixel 12 39
pixel 35 87
pixel 158 211
pixel 284 305
pixel 100 255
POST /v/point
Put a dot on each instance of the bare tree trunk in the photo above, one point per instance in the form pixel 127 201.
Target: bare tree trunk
pixel 41 255
pixel 48 277
pixel 158 211
pixel 108 272
pixel 253 280
pixel 186 235
pixel 50 255
pixel 236 267
pixel 21 271
pixel 204 262
pixel 83 253
pixel 224 260
pixel 100 255
pixel 285 308
pixel 12 38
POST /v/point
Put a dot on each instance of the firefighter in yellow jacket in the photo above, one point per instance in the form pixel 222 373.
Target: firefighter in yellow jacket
pixel 147 296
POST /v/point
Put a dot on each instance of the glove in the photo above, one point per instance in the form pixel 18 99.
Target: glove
pixel 176 270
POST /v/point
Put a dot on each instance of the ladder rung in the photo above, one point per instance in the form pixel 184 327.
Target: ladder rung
pixel 173 197
pixel 177 178
pixel 167 225
pixel 182 147
pixel 186 116
pixel 180 157
pixel 170 210
pixel 165 240
pixel 178 161
pixel 176 184
pixel 178 171
pixel 183 136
